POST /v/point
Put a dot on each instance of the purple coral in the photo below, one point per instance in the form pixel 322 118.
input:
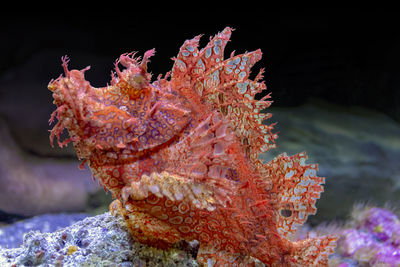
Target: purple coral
pixel 385 225
pixel 374 238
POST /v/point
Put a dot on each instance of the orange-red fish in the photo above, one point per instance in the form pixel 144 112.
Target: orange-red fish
pixel 180 155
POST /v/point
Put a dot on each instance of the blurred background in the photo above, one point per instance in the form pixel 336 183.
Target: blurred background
pixel 334 76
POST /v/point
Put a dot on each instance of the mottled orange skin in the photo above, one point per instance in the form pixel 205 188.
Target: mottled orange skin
pixel 180 155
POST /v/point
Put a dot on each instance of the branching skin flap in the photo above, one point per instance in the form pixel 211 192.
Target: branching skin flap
pixel 180 156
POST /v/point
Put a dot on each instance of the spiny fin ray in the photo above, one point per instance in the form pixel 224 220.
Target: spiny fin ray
pixel 226 86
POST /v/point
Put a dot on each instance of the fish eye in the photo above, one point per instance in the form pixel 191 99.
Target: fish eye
pixel 138 79
pixel 133 85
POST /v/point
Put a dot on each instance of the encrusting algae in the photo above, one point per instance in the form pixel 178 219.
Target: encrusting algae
pixel 180 155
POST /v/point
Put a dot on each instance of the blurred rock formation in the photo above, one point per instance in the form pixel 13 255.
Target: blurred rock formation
pixel 31 185
pixel 357 150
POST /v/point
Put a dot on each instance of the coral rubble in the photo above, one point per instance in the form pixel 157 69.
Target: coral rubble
pixel 102 240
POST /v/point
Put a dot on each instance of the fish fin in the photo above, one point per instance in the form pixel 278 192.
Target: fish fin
pixel 312 251
pixel 191 63
pixel 230 91
pixel 211 258
pixel 145 227
pixel 205 155
pixel 175 188
pixel 296 189
pixel 225 85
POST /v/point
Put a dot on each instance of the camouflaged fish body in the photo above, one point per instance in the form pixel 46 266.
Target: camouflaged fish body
pixel 180 155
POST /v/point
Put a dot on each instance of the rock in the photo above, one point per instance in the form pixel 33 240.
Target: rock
pixel 11 236
pixel 102 240
pixel 31 185
pixel 357 150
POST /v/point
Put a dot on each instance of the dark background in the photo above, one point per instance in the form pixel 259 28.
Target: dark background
pixel 348 57
pixel 345 56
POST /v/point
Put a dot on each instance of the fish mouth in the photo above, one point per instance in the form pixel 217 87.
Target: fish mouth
pixel 73 97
